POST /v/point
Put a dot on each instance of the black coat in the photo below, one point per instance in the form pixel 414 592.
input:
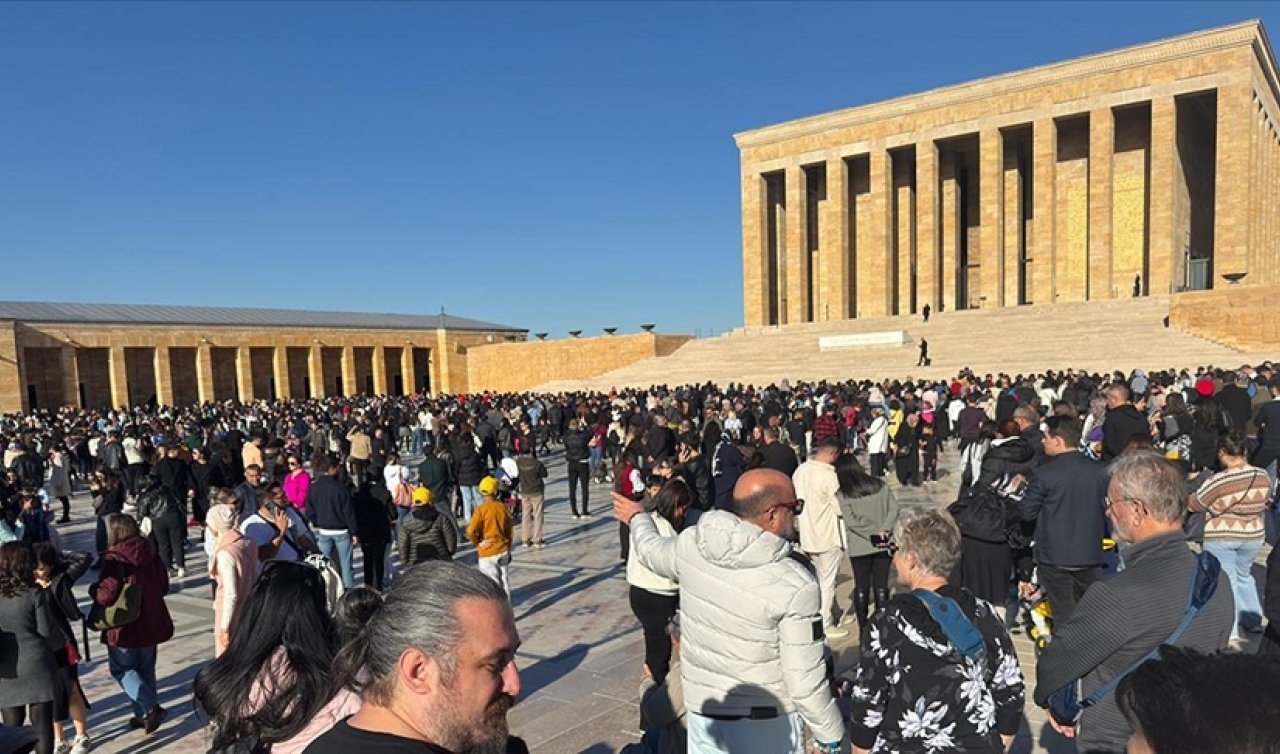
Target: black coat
pixel 329 505
pixel 575 445
pixel 1064 500
pixel 374 513
pixel 1012 457
pixel 779 457
pixel 468 468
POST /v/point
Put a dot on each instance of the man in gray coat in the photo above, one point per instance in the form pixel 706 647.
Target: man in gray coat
pixel 1119 621
pixel 754 664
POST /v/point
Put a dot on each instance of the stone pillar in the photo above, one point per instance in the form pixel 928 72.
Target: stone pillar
pixel 119 377
pixel 13 388
pixel 244 374
pixel 380 370
pixel 164 377
pixel 1230 215
pixel 1101 148
pixel 440 380
pixel 991 210
pixel 407 369
pixel 204 372
pixel 349 386
pixel 1044 157
pixel 834 243
pixel 797 251
pixel 755 247
pixel 873 261
pixel 1012 180
pixel 1161 244
pixel 70 375
pixel 949 225
pixel 280 370
pixel 315 372
pixel 927 224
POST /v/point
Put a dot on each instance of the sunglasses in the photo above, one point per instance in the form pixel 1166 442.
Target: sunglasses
pixel 796 506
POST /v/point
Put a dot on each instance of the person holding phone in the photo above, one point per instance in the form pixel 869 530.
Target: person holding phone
pixel 870 512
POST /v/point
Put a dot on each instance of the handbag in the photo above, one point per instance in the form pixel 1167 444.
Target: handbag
pixel 125 610
pixel 1065 704
pixel 404 495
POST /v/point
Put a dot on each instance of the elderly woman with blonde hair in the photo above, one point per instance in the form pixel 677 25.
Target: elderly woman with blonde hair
pixel 233 567
pixel 938 671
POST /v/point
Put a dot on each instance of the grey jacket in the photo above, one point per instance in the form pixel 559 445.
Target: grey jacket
pixel 749 620
pixel 864 516
pixel 662 707
pixel 31 637
pixel 1120 620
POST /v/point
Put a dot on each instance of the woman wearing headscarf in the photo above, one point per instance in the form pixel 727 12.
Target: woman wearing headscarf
pixel 233 568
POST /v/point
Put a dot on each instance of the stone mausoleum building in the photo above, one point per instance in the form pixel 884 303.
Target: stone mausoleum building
pixel 108 355
pixel 1150 170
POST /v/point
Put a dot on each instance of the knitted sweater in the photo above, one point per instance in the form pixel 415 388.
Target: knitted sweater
pixel 1234 502
pixel 491 522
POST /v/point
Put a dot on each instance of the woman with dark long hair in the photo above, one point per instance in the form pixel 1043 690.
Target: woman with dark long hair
pixel 870 512
pixel 655 599
pixel 26 654
pixel 281 652
pixel 56 573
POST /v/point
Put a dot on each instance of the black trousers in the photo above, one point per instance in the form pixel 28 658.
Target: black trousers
pixel 579 473
pixel 41 721
pixel 654 611
pixel 100 535
pixel 170 532
pixel 871 571
pixel 375 563
pixel 876 461
pixel 1064 587
pixel 624 541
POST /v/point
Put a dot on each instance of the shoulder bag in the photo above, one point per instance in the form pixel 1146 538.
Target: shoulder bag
pixel 125 610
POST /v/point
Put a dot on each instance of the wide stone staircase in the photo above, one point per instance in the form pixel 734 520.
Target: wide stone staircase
pixel 1098 336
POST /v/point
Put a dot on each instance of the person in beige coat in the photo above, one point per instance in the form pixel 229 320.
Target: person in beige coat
pixel 821 534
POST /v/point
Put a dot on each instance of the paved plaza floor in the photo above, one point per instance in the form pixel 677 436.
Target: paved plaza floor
pixel 579 664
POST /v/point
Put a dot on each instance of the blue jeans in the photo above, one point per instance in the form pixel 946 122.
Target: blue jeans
pixel 419 434
pixel 135 671
pixel 1236 557
pixel 594 457
pixel 470 499
pixel 338 548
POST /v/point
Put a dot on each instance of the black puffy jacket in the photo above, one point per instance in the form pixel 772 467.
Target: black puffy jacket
pixel 468 469
pixel 1014 456
pixel 426 534
pixel 698 476
pixel 575 445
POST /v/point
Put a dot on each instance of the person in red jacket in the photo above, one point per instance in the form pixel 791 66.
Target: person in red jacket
pixel 131 648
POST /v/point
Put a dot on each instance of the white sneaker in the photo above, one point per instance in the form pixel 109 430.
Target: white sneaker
pixel 63 746
pixel 81 745
pixel 836 632
pixel 182 573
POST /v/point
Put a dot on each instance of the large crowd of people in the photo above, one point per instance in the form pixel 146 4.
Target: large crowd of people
pixel 737 506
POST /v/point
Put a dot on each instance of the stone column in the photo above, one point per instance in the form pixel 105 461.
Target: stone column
pixel 1161 244
pixel 949 225
pixel 349 386
pixel 315 372
pixel 280 370
pixel 204 372
pixel 1230 215
pixel 755 268
pixel 164 376
pixel 380 370
pixel 991 210
pixel 834 243
pixel 13 388
pixel 1044 157
pixel 1101 147
pixel 244 374
pixel 440 379
pixel 797 251
pixel 873 261
pixel 70 375
pixel 927 224
pixel 408 370
pixel 119 377
pixel 1012 181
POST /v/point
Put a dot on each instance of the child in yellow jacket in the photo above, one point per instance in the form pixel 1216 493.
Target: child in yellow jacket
pixel 491 530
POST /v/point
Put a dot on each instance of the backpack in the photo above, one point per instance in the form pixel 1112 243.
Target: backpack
pixel 333 587
pixel 980 514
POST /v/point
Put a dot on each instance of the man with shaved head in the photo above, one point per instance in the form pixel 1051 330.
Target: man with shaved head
pixel 753 651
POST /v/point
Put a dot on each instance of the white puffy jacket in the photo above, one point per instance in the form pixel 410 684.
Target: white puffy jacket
pixel 751 632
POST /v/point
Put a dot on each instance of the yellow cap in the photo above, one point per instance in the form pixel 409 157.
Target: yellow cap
pixel 488 486
pixel 421 496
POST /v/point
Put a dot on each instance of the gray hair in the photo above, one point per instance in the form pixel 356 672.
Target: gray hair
pixel 1152 479
pixel 932 536
pixel 418 612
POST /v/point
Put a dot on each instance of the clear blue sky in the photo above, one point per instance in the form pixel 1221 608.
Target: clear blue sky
pixel 550 166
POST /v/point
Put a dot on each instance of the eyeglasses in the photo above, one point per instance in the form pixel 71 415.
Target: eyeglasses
pixel 1107 502
pixel 293 463
pixel 795 506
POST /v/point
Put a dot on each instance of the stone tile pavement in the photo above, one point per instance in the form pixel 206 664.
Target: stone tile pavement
pixel 580 661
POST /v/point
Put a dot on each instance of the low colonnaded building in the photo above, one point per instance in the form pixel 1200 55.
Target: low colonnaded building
pixel 1151 170
pixel 111 355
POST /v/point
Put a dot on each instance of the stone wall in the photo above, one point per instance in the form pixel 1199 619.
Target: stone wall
pixel 1239 316
pixel 509 367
